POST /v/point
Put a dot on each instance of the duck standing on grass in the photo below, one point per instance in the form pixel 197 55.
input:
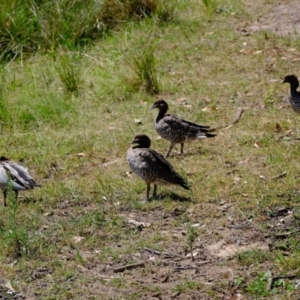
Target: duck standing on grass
pixel 151 166
pixel 294 97
pixel 15 177
pixel 176 130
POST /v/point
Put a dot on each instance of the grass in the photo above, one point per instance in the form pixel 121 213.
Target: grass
pixel 68 114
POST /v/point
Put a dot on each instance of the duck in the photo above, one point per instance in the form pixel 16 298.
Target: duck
pixel 15 177
pixel 151 166
pixel 177 130
pixel 294 97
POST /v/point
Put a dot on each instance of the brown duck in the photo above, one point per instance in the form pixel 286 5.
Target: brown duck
pixel 176 130
pixel 151 166
pixel 294 97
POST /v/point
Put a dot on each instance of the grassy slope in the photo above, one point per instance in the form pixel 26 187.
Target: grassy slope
pixel 199 58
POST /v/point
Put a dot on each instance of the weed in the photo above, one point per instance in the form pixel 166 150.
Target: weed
pixel 252 257
pixel 69 73
pixel 4 111
pixel 191 236
pixel 15 236
pixel 145 70
pixel 188 285
pixel 210 6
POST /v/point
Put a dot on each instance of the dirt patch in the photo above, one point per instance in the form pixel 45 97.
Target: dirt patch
pixel 282 18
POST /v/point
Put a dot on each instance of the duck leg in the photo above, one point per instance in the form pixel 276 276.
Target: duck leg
pixel 170 149
pixel 4 197
pixel 181 148
pixel 148 192
pixel 154 191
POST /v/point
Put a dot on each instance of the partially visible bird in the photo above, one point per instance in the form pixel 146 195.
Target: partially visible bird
pixel 294 97
pixel 177 130
pixel 15 177
pixel 151 166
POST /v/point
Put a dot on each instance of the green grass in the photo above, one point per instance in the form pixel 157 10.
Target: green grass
pixel 68 106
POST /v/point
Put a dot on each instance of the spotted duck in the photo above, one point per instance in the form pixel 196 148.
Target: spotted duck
pixel 177 130
pixel 151 166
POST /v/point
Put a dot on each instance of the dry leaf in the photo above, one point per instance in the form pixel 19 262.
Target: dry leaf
pixel 77 239
pixel 137 121
pixel 205 109
pixel 138 223
pixel 256 145
pixel 81 154
pixel 129 174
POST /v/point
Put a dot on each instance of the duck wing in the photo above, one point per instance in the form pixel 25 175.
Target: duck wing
pixel 7 177
pixel 23 173
pixel 166 170
pixel 182 121
pixel 18 174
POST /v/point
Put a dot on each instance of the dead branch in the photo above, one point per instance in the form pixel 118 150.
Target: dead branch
pixel 235 120
pixel 152 251
pixel 164 254
pixel 283 174
pixel 272 279
pixel 129 267
pixel 270 283
pixel 285 234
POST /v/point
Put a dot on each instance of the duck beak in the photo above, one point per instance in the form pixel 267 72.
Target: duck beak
pixel 134 141
pixel 153 106
pixel 283 81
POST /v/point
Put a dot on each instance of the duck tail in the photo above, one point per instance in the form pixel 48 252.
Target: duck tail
pixel 185 185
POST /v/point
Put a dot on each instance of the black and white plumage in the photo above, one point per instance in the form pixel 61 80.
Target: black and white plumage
pixel 294 97
pixel 151 166
pixel 14 176
pixel 177 130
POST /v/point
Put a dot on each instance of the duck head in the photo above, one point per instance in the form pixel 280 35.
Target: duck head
pixel 142 141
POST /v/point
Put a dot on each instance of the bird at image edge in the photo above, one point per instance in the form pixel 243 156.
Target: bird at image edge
pixel 294 97
pixel 15 177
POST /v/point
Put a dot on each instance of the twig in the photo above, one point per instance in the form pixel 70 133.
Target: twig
pixel 129 267
pixel 270 282
pixel 283 174
pixel 165 254
pixel 285 277
pixel 280 235
pixel 235 120
pixel 272 279
pixel 152 251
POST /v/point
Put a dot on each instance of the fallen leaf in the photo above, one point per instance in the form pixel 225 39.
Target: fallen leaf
pixel 138 121
pixel 81 154
pixel 138 223
pixel 77 239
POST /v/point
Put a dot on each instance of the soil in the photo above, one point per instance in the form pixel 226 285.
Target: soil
pixel 281 19
pixel 224 236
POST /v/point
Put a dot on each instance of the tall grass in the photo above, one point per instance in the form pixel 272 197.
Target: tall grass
pixel 31 25
pixel 4 112
pixel 146 73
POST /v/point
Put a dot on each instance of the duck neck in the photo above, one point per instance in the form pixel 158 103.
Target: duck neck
pixel 294 87
pixel 161 113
